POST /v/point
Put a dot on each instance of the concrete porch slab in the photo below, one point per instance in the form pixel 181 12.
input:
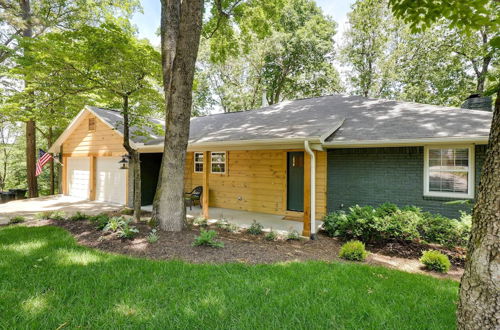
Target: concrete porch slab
pixel 244 219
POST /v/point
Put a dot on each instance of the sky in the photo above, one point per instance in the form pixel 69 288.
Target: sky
pixel 149 21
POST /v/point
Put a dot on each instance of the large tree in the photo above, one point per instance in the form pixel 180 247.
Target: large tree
pixel 106 63
pixel 479 305
pixel 364 44
pixel 26 19
pixel 288 54
pixel 181 23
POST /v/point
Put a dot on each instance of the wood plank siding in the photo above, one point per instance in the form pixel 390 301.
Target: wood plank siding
pixel 255 180
pixel 102 141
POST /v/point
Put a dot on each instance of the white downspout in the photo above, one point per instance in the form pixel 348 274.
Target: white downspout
pixel 313 188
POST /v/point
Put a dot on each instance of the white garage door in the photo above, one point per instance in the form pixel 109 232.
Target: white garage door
pixel 78 177
pixel 110 180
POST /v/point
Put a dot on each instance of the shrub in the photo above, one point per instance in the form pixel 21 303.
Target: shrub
pixel 100 221
pixel 386 209
pixel 271 236
pixel 293 236
pixel 444 231
pixel 58 215
pixel 16 219
pixel 55 215
pixel 114 224
pixel 435 260
pixel 127 211
pixel 388 222
pixel 255 228
pixel 401 225
pixel 127 231
pixel 353 250
pixel 361 223
pixel 207 238
pixel 45 215
pixel 78 216
pixel 153 237
pixel 201 222
pixel 226 226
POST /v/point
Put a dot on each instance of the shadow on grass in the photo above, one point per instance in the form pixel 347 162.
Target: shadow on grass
pixel 48 281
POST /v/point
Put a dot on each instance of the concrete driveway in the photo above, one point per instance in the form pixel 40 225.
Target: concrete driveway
pixel 69 205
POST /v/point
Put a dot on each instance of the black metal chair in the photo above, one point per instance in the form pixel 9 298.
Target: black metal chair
pixel 193 196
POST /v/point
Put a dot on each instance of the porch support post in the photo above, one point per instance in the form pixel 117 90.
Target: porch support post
pixel 307 195
pixel 310 196
pixel 64 180
pixel 205 194
pixel 92 178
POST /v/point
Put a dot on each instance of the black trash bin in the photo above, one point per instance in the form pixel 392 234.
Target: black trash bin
pixel 19 193
pixel 8 196
pixel 3 197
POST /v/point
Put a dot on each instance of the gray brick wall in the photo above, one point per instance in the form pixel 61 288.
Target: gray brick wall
pixel 372 176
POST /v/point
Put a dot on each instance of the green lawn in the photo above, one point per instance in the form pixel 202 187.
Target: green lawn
pixel 46 281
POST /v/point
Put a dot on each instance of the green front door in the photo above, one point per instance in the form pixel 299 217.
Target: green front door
pixel 295 182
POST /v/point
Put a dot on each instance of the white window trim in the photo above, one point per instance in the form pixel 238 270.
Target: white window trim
pixel 211 162
pixel 195 162
pixel 471 173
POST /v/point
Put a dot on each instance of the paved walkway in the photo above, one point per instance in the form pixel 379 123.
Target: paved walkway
pixel 28 208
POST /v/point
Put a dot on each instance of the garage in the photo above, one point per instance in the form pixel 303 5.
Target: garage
pixel 111 181
pixel 79 177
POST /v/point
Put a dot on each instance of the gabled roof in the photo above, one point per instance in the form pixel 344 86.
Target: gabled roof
pixel 329 120
pixel 357 119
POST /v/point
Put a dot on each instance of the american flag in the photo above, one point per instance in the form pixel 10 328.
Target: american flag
pixel 43 158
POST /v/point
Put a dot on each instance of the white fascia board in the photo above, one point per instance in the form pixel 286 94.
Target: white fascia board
pixel 406 142
pixel 223 145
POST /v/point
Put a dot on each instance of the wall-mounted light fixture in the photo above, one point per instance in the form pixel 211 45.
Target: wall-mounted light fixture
pixel 124 162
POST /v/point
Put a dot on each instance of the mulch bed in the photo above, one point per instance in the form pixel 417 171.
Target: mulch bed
pixel 238 247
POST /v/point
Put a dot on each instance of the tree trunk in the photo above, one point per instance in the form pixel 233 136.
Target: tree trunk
pixel 31 158
pixel 30 125
pixel 479 306
pixel 134 155
pixel 178 75
pixel 51 164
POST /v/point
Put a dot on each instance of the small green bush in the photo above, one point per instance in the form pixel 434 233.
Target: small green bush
pixel 100 221
pixel 449 232
pixel 201 222
pixel 436 261
pixel 54 215
pixel 388 222
pixel 207 238
pixel 127 211
pixel 293 236
pixel 58 215
pixel 153 237
pixel 45 215
pixel 16 219
pixel 255 228
pixel 271 236
pixel 114 224
pixel 353 250
pixel 78 216
pixel 127 231
pixel 226 226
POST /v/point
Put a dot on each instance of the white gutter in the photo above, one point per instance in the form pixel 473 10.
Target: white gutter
pixel 406 142
pixel 313 189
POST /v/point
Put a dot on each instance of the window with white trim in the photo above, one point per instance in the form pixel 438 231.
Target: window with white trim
pixel 198 162
pixel 218 162
pixel 449 172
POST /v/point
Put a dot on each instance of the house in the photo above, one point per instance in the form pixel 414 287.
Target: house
pixel 297 159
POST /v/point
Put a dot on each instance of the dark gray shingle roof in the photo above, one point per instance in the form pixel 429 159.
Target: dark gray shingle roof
pixel 361 119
